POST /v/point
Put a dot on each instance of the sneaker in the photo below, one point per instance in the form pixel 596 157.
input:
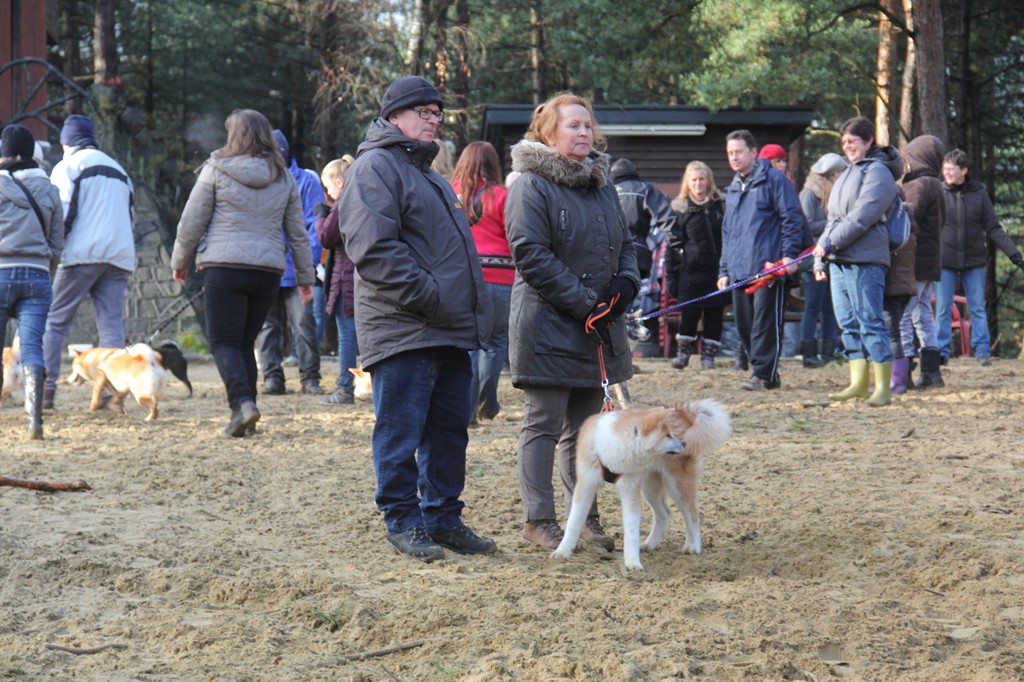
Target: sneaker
pixel 339 397
pixel 273 387
pixel 290 361
pixel 463 540
pixel 755 383
pixel 545 533
pixel 312 388
pixel 593 532
pixel 416 543
pixel 985 361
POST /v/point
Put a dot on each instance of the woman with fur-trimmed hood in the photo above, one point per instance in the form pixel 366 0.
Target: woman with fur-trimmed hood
pixel 574 260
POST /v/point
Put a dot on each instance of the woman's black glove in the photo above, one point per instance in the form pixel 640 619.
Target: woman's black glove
pixel 624 288
pixel 597 323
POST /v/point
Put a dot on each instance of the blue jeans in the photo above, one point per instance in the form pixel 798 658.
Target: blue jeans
pixel 319 303
pixel 348 347
pixel 487 364
pixel 106 286
pixel 25 295
pixel 818 305
pixel 973 280
pixel 235 302
pixel 421 401
pixel 857 295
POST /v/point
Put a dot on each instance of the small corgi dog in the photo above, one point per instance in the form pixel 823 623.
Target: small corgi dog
pixel 656 452
pixel 362 388
pixel 136 370
pixel 13 379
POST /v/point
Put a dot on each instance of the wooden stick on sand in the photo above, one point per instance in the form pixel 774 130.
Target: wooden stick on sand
pixel 45 486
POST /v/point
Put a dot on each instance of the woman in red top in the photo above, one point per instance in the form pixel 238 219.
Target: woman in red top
pixel 477 182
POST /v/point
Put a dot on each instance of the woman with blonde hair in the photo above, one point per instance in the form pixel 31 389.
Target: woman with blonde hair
pixel 340 282
pixel 231 227
pixel 575 262
pixel 695 246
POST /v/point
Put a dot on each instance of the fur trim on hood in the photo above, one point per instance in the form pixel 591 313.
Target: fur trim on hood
pixel 538 158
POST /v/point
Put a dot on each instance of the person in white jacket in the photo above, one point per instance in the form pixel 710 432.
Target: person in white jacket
pixel 99 246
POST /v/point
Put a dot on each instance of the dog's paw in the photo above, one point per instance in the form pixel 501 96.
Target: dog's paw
pixel 691 547
pixel 649 545
pixel 561 554
pixel 633 568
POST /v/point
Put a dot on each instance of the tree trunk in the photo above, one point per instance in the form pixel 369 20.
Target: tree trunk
pixel 71 47
pixel 440 19
pixel 907 92
pixel 884 70
pixel 537 52
pixel 417 36
pixel 148 60
pixel 105 42
pixel 461 75
pixel 931 68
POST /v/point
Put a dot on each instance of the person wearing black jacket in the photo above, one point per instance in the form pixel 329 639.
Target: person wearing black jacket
pixel 646 209
pixel 970 218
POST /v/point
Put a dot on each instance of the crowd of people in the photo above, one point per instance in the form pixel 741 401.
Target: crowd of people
pixel 439 277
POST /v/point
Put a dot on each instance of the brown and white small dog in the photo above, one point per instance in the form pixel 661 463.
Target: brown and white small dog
pixel 136 370
pixel 654 451
pixel 362 387
pixel 84 363
pixel 13 380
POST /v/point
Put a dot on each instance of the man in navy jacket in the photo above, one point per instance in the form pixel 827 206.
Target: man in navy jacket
pixel 763 224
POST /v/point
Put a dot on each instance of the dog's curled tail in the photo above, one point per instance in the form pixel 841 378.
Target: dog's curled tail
pixel 712 426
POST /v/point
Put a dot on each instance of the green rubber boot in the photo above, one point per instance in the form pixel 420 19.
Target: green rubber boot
pixel 883 375
pixel 858 387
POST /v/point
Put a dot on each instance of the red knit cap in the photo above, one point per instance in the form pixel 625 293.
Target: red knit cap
pixel 772 152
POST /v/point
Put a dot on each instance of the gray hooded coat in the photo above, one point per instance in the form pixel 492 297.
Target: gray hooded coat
pixel 418 281
pixel 569 239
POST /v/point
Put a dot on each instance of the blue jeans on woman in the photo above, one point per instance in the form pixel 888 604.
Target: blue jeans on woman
pixel 348 347
pixel 487 364
pixel 236 302
pixel 857 294
pixel 973 280
pixel 421 402
pixel 25 295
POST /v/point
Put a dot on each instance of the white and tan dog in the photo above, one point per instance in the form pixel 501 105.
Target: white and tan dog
pixel 136 370
pixel 13 380
pixel 654 451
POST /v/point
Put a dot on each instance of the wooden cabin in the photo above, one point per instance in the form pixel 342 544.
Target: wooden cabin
pixel 661 139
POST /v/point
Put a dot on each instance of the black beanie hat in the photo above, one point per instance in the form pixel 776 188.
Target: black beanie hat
pixel 17 140
pixel 408 92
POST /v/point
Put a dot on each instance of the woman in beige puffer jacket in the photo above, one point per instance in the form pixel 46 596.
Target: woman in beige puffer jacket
pixel 232 228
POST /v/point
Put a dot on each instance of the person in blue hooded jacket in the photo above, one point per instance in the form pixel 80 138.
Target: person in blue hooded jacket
pixel 763 225
pixel 289 308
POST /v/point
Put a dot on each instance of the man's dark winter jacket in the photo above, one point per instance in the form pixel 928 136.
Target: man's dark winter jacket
pixel 644 206
pixel 970 216
pixel 763 222
pixel 568 240
pixel 418 278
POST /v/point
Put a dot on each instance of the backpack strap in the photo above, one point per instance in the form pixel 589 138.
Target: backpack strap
pixel 31 200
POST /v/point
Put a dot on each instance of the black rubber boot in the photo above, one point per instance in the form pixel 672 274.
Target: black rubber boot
pixel 35 382
pixel 931 375
pixel 809 350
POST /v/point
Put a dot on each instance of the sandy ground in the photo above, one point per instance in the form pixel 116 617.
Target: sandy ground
pixel 841 543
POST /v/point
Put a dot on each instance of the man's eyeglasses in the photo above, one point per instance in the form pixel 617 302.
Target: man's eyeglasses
pixel 426 114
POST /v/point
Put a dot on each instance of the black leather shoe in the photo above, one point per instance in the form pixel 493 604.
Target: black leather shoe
pixel 416 543
pixel 463 540
pixel 273 387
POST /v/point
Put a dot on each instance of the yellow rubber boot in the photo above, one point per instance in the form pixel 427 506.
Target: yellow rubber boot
pixel 883 375
pixel 858 387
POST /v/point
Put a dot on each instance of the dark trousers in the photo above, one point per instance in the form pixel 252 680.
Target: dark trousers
pixel 690 317
pixel 759 319
pixel 288 309
pixel 236 302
